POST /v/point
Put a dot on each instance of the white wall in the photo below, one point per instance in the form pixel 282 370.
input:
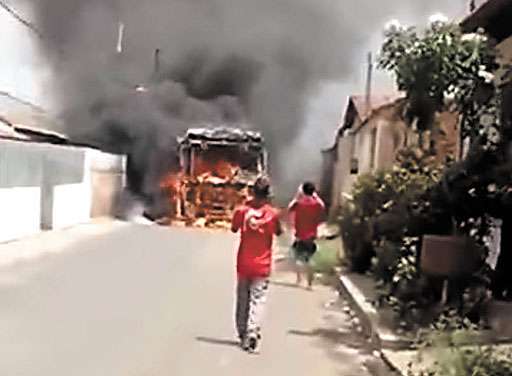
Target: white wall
pixel 359 145
pixel 49 187
pixel 108 179
pixel 71 205
pixel 342 179
pixel 20 213
pixel 20 189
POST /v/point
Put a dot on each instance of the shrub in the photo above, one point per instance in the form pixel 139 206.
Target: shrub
pixel 382 208
pixel 356 222
pixel 447 341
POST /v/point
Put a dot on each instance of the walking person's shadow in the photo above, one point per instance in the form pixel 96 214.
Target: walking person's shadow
pixel 217 341
pixel 286 284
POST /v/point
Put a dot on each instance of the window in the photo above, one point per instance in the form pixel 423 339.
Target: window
pixel 354 166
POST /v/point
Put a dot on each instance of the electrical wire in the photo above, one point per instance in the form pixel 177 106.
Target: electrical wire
pixel 9 9
pixel 24 102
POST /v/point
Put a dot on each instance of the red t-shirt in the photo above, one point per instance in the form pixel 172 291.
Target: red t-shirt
pixel 308 211
pixel 257 226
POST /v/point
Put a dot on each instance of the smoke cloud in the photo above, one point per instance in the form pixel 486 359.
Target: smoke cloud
pixel 256 63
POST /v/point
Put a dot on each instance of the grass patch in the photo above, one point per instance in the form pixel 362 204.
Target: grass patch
pixel 326 258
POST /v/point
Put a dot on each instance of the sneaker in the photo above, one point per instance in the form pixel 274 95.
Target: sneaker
pixel 252 345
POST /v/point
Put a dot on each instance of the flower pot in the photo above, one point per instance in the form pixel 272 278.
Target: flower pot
pixel 448 256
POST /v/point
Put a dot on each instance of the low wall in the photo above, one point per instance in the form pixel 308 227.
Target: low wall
pixel 21 172
pixel 51 187
pixel 20 215
pixel 107 174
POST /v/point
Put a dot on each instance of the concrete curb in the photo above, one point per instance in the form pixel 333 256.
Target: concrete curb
pixel 396 351
pixel 383 341
pixel 362 309
pixel 380 337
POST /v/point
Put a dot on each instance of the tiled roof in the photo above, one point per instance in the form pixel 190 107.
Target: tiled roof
pixel 365 108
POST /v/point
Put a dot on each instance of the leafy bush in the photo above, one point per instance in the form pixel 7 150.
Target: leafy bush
pixel 390 211
pixel 356 221
pixel 447 341
pixel 385 207
pixel 383 224
pixel 479 361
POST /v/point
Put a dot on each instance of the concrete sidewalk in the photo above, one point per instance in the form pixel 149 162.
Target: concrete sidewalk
pixel 395 345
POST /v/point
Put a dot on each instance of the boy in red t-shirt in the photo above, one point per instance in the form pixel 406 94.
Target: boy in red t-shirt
pixel 308 210
pixel 258 223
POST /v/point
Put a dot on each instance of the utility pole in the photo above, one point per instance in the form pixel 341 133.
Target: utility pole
pixel 28 24
pixel 156 70
pixel 369 78
pixel 120 38
pixel 472 6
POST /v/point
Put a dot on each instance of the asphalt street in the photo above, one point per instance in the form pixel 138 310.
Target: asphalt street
pixel 122 300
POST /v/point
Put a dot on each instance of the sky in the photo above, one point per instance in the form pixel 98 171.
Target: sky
pixel 23 71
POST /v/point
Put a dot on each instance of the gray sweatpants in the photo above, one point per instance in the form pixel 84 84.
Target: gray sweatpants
pixel 251 297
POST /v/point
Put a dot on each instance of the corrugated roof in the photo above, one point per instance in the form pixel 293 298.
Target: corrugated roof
pixel 7 130
pixel 360 107
pixel 364 109
pixel 42 135
pixel 19 111
pixel 29 122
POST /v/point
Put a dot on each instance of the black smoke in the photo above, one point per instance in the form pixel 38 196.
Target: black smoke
pixel 221 61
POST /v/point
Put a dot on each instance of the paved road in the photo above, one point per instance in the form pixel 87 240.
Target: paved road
pixel 148 301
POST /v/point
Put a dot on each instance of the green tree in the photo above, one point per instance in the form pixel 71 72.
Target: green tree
pixel 442 68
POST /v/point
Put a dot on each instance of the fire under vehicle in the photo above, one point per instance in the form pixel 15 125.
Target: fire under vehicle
pixel 217 168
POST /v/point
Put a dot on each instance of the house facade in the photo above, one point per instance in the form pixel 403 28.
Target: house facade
pixel 369 137
pixel 373 130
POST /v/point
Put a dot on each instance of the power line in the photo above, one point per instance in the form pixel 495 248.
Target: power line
pixel 20 19
pixel 28 24
pixel 35 30
pixel 24 102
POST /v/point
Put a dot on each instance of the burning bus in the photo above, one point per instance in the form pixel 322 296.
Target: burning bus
pixel 217 168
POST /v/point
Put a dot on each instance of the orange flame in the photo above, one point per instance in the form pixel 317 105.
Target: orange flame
pixel 218 168
pixel 171 181
pixel 205 172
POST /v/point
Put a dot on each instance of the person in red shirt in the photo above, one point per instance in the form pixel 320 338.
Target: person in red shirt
pixel 307 209
pixel 258 223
